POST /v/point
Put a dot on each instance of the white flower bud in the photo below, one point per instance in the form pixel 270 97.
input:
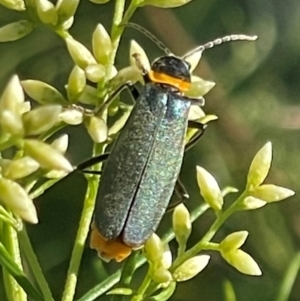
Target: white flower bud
pixel 113 72
pixel 233 241
pixel 95 72
pixel 260 166
pixel 46 155
pixel 13 4
pixel 11 103
pixel 41 119
pixel 271 193
pixel 125 75
pixel 195 112
pixel 42 92
pixel 97 129
pixel 89 96
pixel 80 54
pixel 190 268
pixel 76 83
pixel 154 249
pixel 17 200
pixel 24 107
pixel 167 257
pixel 15 31
pixel 242 261
pixel 209 189
pixel 194 59
pixel 61 144
pixel 208 118
pixel 199 87
pixel 161 275
pixel 67 23
pixel 12 96
pixel 20 168
pixel 11 122
pixel 46 12
pixel 66 9
pixel 136 49
pixel 182 224
pixel 102 45
pixel 71 116
pixel 251 203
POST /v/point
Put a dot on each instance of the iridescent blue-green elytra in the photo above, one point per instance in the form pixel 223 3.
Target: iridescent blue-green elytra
pixel 140 174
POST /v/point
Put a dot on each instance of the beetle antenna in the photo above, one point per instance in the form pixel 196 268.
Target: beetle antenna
pixel 219 41
pixel 151 37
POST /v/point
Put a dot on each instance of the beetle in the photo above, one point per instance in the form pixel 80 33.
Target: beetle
pixel 140 174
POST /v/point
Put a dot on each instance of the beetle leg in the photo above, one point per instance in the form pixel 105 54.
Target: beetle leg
pixel 181 193
pixel 195 125
pixel 129 85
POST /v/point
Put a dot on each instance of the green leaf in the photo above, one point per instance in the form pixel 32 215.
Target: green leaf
pixel 8 263
pixel 289 279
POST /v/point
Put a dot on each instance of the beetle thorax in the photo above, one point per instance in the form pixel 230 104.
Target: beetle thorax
pixel 172 71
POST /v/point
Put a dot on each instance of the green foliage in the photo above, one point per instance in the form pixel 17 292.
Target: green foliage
pixel 32 113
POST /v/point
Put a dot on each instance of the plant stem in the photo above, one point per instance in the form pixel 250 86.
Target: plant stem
pixel 116 32
pixel 8 218
pixel 41 189
pixel 102 287
pixel 126 274
pixel 13 289
pixel 143 287
pixel 181 249
pixel 128 269
pixel 289 279
pixel 84 226
pixel 118 27
pixel 34 265
pixel 211 246
pixel 9 221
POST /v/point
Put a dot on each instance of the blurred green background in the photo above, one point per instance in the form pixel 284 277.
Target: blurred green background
pixel 256 99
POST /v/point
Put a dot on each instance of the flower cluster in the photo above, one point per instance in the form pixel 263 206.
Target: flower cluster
pixel 18 122
pixel 189 263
